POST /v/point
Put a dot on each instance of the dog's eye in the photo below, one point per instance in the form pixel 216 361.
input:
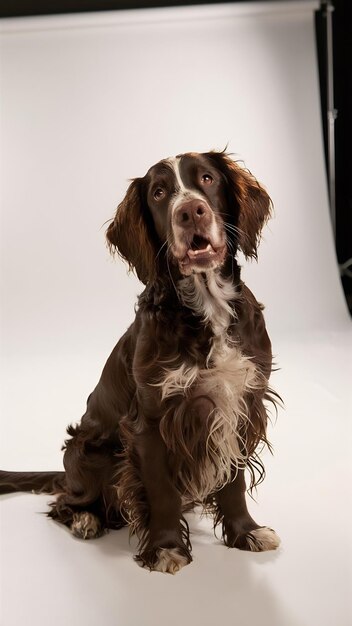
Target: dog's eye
pixel 158 193
pixel 207 179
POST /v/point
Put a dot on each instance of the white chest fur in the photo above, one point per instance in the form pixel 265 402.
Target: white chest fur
pixel 209 296
pixel 226 380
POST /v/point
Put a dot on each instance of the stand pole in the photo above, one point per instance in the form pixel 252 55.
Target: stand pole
pixel 331 111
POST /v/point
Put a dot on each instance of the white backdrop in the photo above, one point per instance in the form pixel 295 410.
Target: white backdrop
pixel 89 101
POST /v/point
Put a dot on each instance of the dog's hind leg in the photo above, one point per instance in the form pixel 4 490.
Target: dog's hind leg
pixel 88 502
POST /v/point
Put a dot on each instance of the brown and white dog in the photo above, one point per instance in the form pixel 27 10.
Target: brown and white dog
pixel 179 410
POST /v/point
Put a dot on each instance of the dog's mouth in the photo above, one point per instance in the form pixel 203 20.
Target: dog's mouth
pixel 201 254
pixel 200 247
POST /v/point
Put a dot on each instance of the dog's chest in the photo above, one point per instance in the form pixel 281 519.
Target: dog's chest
pixel 203 426
pixel 224 380
pixel 221 371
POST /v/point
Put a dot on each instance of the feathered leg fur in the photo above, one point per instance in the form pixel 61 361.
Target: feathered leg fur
pixel 239 530
pixel 87 502
pixel 152 504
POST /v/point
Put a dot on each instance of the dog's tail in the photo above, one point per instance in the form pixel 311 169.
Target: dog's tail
pixel 38 482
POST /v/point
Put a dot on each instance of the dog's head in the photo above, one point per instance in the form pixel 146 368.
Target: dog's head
pixel 189 212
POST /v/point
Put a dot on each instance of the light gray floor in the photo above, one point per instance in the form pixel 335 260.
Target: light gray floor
pixel 50 578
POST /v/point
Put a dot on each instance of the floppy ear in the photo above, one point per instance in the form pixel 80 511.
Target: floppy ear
pixel 128 234
pixel 253 203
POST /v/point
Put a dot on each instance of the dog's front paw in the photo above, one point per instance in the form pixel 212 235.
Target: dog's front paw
pixel 258 539
pixel 166 560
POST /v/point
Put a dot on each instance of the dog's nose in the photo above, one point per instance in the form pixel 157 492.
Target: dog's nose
pixel 192 213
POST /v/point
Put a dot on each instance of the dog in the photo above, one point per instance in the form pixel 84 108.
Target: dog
pixel 181 405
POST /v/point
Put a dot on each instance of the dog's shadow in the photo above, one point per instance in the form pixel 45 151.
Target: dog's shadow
pixel 115 542
pixel 232 575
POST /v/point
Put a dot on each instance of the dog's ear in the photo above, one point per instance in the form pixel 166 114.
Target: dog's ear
pixel 128 233
pixel 252 202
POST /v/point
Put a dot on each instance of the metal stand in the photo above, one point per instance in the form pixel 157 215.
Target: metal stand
pixel 328 9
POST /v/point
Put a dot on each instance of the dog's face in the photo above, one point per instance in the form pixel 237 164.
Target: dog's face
pixel 186 196
pixel 192 210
